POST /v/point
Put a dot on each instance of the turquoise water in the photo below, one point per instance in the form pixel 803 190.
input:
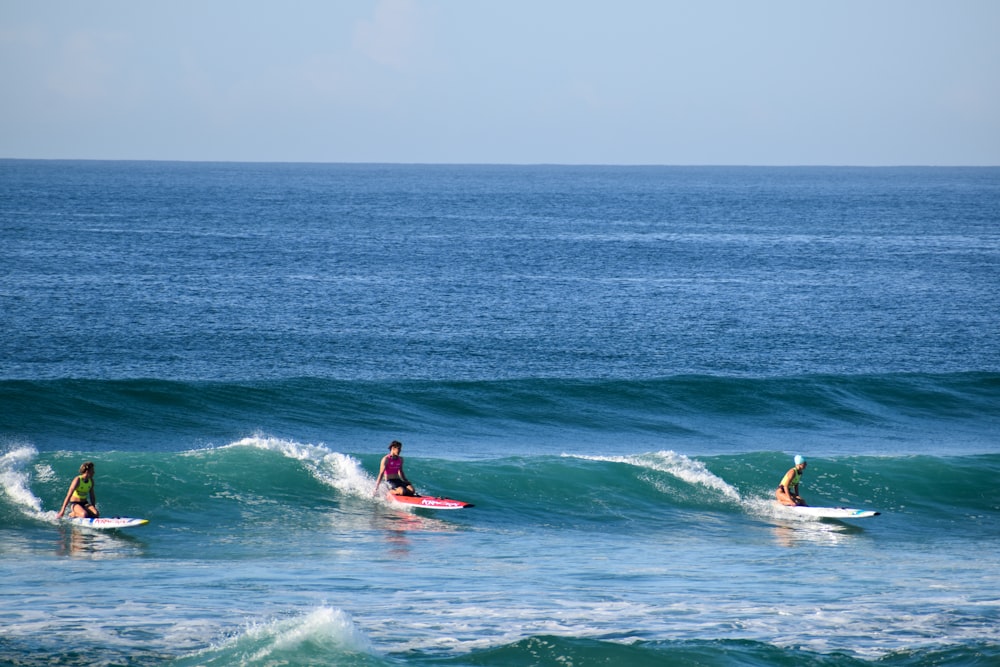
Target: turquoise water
pixel 614 365
pixel 268 550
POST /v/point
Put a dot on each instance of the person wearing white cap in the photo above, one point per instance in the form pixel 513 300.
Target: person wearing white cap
pixel 788 490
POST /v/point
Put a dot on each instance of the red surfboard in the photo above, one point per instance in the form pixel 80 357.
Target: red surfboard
pixel 430 502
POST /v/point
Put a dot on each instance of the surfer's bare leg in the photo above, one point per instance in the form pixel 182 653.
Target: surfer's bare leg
pixel 784 498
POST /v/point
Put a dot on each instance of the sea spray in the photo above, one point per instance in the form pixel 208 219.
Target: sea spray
pixel 678 465
pixel 335 469
pixel 15 478
pixel 323 636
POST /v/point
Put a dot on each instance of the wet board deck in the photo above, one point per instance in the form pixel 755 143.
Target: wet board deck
pixel 110 523
pixel 832 512
pixel 429 502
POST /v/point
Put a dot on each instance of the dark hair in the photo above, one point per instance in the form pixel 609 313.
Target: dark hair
pixel 87 465
pixel 395 443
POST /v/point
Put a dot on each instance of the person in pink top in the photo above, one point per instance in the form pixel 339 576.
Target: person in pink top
pixel 391 468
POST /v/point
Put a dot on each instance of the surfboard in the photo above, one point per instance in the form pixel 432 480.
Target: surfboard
pixel 832 512
pixel 109 523
pixel 430 502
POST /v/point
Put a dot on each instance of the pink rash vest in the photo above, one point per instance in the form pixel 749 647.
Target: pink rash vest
pixel 393 464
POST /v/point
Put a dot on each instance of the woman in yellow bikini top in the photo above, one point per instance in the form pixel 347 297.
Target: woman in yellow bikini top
pixel 788 489
pixel 81 495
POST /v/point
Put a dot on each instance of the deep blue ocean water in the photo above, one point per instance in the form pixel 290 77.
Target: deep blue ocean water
pixel 614 364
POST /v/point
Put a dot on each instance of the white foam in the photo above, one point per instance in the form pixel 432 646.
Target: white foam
pixel 340 471
pixel 326 623
pixel 325 630
pixel 16 481
pixel 672 463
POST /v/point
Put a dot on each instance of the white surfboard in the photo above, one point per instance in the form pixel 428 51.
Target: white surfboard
pixel 831 512
pixel 110 523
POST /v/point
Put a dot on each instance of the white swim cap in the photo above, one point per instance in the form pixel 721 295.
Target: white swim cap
pixel 799 459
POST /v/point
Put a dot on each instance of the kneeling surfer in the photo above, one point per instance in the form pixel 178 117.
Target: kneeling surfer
pixel 788 490
pixel 81 495
pixel 391 468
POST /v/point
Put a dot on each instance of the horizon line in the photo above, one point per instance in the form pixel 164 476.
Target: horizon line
pixel 705 165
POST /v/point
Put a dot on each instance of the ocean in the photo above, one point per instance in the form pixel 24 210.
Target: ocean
pixel 615 365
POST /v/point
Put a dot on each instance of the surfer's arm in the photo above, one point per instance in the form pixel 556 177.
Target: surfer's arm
pixel 381 474
pixel 69 494
pixel 93 499
pixel 793 493
pixel 402 476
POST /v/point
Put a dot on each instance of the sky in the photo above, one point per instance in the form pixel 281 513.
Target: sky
pixel 635 82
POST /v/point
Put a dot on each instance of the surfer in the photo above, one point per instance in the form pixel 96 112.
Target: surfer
pixel 391 468
pixel 788 490
pixel 81 495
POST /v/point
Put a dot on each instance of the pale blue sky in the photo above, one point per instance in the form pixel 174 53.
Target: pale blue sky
pixel 767 82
